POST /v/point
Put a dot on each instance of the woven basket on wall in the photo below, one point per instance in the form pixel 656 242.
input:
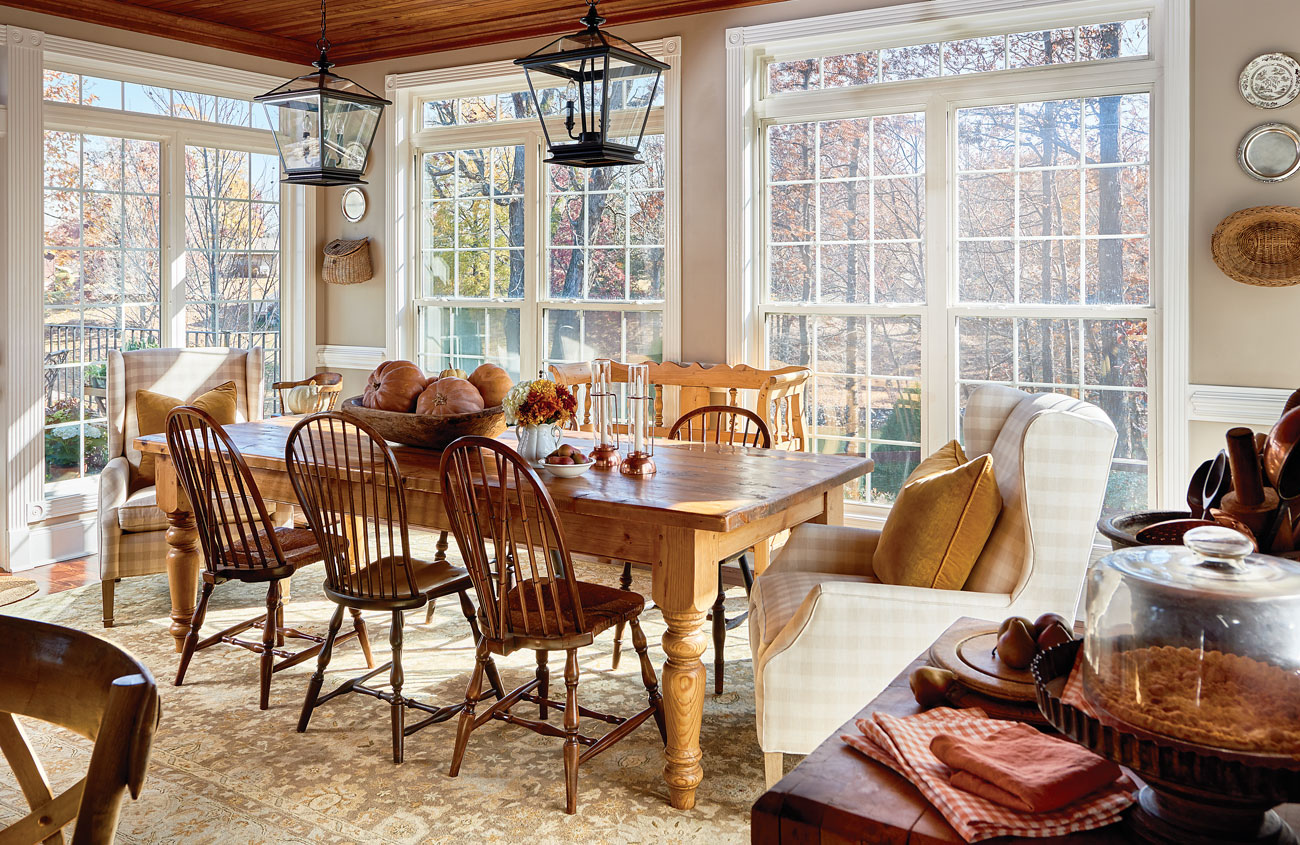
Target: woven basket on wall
pixel 347 262
pixel 1259 246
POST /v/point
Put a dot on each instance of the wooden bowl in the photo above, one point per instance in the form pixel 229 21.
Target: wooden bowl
pixel 1122 529
pixel 425 431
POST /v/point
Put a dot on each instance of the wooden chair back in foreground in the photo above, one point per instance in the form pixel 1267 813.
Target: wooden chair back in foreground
pixel 777 396
pixel 350 487
pixel 240 543
pixel 328 389
pixel 510 537
pixel 722 424
pixel 94 689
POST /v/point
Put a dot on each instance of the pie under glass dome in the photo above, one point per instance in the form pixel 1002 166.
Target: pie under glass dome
pixel 1198 643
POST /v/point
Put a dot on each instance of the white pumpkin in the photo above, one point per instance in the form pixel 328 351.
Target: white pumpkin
pixel 302 399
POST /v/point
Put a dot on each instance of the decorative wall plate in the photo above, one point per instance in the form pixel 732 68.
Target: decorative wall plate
pixel 354 204
pixel 1271 80
pixel 1270 152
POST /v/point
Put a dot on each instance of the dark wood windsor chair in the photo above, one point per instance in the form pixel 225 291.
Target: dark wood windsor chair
pixel 94 689
pixel 722 424
pixel 240 543
pixel 506 527
pixel 348 484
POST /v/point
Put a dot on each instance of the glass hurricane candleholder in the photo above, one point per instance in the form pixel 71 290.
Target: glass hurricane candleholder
pixel 640 407
pixel 604 414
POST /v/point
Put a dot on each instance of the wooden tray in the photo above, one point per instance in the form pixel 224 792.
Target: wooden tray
pixel 970 657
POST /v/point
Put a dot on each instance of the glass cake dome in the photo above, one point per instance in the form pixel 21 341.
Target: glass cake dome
pixel 1199 643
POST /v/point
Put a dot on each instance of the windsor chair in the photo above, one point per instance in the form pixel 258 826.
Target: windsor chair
pixel 509 535
pixel 348 484
pixel 329 387
pixel 240 543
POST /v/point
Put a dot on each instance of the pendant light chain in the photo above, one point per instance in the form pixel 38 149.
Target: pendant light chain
pixel 324 43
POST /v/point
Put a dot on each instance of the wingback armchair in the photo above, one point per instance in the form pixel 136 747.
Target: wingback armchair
pixel 827 636
pixel 132 530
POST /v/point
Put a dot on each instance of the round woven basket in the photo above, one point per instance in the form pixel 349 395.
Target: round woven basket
pixel 1259 246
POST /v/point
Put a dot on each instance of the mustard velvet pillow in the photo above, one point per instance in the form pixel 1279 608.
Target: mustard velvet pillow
pixel 940 522
pixel 151 411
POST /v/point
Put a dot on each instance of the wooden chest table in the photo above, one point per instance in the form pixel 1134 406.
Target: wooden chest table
pixel 836 795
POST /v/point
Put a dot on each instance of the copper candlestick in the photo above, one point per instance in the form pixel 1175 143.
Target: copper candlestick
pixel 638 462
pixel 604 410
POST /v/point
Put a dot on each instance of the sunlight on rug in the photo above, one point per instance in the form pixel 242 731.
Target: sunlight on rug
pixel 224 772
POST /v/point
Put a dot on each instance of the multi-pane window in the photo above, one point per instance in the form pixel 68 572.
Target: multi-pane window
pixel 1041 275
pixel 522 271
pixel 79 89
pixel 605 260
pixel 232 252
pixel 1007 51
pixel 472 257
pixel 102 257
pixel 845 225
pixel 1053 212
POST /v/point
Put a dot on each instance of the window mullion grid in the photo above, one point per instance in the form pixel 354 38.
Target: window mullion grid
pixel 939 401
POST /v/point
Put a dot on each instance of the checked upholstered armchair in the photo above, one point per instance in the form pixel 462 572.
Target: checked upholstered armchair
pixel 132 530
pixel 826 636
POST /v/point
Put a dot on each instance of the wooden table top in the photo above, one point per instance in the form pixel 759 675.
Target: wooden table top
pixel 838 795
pixel 699 486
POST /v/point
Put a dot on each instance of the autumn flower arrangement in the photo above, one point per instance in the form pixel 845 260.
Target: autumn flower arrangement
pixel 539 402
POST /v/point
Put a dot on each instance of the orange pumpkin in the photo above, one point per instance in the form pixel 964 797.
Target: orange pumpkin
pixel 493 384
pixel 394 386
pixel 449 396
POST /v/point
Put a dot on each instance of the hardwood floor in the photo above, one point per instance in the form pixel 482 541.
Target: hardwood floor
pixel 65 575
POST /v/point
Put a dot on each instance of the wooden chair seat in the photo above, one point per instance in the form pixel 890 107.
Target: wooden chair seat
pixel 602 608
pixel 432 576
pixel 298 544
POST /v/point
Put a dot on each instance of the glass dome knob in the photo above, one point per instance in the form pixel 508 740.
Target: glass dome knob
pixel 1219 547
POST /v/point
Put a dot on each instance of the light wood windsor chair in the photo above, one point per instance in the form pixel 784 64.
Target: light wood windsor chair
pixel 93 688
pixel 329 387
pixel 347 482
pixel 240 543
pixel 510 538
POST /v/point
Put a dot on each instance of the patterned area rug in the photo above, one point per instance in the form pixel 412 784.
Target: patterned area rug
pixel 224 772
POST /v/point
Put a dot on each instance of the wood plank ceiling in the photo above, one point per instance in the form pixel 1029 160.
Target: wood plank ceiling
pixel 360 30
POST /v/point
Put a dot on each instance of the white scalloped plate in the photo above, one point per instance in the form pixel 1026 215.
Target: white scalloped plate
pixel 1271 81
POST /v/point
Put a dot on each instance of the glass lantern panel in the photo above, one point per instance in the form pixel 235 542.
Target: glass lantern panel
pixel 632 89
pixel 349 129
pixel 297 131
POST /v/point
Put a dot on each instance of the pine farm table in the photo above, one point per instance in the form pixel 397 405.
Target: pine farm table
pixel 705 503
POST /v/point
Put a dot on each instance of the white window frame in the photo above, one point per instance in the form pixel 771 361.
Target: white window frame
pixel 409 92
pixel 1164 73
pixel 31 503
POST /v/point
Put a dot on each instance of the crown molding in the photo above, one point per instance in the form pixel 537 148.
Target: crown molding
pixel 1221 403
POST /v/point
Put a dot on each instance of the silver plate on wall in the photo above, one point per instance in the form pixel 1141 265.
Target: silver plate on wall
pixel 1271 81
pixel 1270 152
pixel 354 204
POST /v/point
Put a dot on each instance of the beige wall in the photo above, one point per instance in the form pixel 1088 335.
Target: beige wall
pixel 1240 335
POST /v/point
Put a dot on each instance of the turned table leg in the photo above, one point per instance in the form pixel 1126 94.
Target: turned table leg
pixel 685 586
pixel 183 560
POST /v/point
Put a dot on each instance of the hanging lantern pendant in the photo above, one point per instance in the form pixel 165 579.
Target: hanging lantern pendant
pixel 323 123
pixel 608 90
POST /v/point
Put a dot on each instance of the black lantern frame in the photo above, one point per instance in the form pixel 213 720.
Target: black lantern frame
pixel 326 124
pixel 598 71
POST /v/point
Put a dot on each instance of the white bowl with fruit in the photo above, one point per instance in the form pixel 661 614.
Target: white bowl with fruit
pixel 567 462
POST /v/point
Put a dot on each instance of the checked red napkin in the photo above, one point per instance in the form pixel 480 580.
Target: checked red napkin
pixel 903 744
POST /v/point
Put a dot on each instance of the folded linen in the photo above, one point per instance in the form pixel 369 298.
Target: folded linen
pixel 1023 768
pixel 903 744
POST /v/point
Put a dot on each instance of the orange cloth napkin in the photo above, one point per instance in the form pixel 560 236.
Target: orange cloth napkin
pixel 1024 769
pixel 903 744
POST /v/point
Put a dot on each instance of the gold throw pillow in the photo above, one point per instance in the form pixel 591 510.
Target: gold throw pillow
pixel 940 522
pixel 151 411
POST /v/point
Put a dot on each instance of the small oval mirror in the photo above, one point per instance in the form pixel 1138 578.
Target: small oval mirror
pixel 354 204
pixel 1270 152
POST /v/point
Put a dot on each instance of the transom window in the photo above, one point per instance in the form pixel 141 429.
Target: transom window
pixel 105 93
pixel 999 234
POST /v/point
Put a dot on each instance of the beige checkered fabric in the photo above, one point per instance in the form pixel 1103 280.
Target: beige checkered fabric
pixel 183 373
pixel 848 637
pixel 140 512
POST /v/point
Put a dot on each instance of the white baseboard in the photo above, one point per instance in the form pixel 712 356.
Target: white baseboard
pixel 1252 406
pixel 350 357
pixel 39 545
